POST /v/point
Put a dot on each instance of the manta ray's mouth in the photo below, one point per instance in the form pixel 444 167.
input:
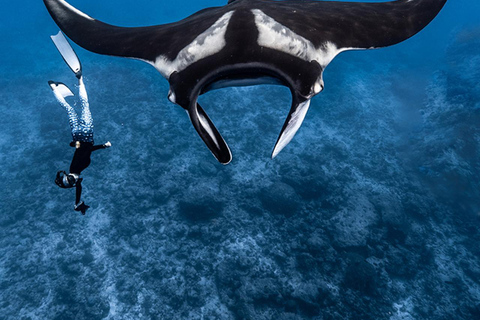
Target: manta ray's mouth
pixel 242 75
pixel 227 82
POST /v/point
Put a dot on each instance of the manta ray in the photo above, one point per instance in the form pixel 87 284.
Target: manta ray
pixel 249 42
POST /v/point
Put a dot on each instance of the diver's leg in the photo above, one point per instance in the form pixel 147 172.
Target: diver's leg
pixel 61 91
pixel 86 121
pixel 86 115
pixel 72 119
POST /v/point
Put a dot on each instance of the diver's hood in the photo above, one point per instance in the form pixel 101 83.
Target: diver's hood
pixel 64 180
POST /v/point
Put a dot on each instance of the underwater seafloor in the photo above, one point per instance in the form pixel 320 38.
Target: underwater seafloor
pixel 371 212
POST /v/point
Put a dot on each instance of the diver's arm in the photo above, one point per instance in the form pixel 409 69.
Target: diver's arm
pixel 79 205
pixel 108 144
pixel 78 192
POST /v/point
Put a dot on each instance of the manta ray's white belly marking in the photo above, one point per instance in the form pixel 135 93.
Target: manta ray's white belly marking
pixel 276 36
pixel 207 43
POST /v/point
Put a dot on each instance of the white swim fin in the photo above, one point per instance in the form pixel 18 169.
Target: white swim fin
pixel 67 53
pixel 60 89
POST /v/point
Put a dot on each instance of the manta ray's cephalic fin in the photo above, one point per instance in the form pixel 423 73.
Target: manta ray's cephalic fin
pixel 292 124
pixel 209 134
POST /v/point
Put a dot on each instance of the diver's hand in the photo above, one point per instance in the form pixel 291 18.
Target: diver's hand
pixel 82 207
pixel 108 144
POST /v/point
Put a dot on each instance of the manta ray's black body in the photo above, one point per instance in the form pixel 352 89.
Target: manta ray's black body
pixel 250 42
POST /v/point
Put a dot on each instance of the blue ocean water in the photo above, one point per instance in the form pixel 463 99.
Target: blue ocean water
pixel 371 212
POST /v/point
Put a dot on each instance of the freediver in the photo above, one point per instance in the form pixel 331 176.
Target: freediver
pixel 81 128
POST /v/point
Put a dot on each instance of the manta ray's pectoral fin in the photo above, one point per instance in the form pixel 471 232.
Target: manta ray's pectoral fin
pixel 209 134
pixel 292 124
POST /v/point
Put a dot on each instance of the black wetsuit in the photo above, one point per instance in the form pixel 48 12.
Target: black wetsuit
pixel 81 160
pixel 81 157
